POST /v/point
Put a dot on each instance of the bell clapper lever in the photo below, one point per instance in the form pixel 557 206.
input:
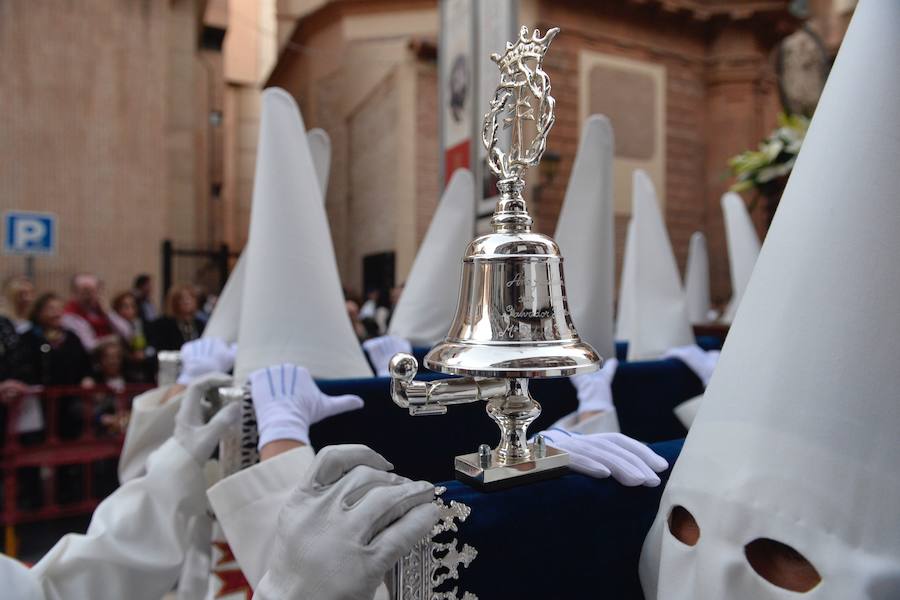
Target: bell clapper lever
pixel 509 404
pixel 433 397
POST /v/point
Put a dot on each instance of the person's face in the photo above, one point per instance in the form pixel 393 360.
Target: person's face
pixel 51 314
pixel 352 310
pixel 146 288
pixel 395 294
pixel 186 305
pixel 128 309
pixel 87 290
pixel 111 361
pixel 24 296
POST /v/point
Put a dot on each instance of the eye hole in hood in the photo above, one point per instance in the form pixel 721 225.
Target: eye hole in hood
pixel 683 526
pixel 781 565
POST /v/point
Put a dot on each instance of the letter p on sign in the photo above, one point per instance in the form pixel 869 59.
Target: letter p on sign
pixel 29 233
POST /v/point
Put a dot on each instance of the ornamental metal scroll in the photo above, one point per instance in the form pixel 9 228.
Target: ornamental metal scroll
pixel 433 563
pixel 522 80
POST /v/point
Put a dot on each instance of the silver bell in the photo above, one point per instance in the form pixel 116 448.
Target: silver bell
pixel 512 319
pixel 512 322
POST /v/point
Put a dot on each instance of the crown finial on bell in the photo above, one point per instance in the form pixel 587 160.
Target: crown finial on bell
pixel 512 318
pixel 522 98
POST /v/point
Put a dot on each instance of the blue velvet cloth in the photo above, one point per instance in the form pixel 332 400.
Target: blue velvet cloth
pixel 645 393
pixel 567 538
pixel 419 447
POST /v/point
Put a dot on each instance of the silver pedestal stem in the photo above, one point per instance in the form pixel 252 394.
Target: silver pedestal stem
pixel 514 413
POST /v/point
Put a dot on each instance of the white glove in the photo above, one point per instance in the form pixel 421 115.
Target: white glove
pixel 687 411
pixel 345 527
pixel 194 435
pixel 382 349
pixel 701 362
pixel 287 402
pixel 205 355
pixel 595 389
pixel 600 455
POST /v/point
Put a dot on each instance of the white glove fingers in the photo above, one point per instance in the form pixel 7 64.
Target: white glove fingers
pixel 389 503
pixel 335 405
pixel 208 436
pixel 227 416
pixel 284 372
pixel 648 474
pixel 191 410
pixel 277 378
pixel 586 466
pixel 643 452
pixel 261 383
pixel 354 487
pixel 333 462
pixel 399 538
pixel 624 466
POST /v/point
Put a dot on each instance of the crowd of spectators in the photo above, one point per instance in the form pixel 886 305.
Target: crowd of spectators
pixel 87 339
pixel 89 343
pixel 97 345
pixel 371 317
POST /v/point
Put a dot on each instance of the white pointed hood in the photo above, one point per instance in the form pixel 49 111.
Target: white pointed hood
pixel 743 249
pixel 797 436
pixel 293 307
pixel 657 318
pixel 696 280
pixel 585 235
pixel 320 148
pixel 626 305
pixel 428 302
pixel 226 316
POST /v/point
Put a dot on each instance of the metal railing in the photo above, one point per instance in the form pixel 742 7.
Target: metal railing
pixel 74 433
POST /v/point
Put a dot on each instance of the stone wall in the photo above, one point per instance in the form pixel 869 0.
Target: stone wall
pixel 712 68
pixel 98 122
pixel 719 95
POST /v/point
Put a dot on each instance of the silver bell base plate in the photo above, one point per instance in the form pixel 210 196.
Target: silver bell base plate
pixel 496 476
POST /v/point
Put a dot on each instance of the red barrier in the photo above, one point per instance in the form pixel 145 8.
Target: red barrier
pixel 51 451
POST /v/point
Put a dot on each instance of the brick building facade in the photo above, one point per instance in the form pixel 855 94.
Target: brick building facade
pixel 136 121
pixel 703 70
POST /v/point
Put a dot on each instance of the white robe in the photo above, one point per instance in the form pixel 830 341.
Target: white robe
pixel 215 568
pixel 124 556
pixel 135 545
pixel 152 423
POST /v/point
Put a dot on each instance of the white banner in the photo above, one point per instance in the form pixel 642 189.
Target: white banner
pixel 456 83
pixel 496 26
pixel 471 30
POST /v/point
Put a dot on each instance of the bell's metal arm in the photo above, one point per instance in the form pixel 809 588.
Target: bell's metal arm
pixel 433 397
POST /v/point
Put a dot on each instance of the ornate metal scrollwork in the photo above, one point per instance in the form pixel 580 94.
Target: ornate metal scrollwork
pixel 521 80
pixel 432 563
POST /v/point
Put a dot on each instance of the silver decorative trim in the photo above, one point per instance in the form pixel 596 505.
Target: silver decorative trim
pixel 521 78
pixel 433 563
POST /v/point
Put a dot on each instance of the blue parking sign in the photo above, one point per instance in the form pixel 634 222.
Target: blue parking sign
pixel 29 233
